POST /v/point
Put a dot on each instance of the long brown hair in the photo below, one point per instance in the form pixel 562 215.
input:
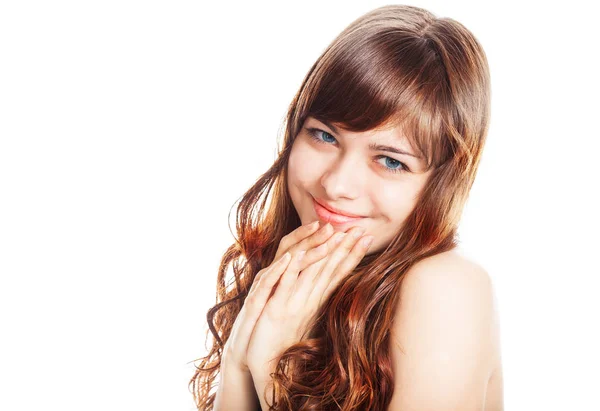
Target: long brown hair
pixel 396 65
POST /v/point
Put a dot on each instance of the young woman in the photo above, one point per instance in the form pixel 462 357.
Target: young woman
pixel 382 144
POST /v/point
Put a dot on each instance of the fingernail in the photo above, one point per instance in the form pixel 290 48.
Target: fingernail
pixel 339 237
pixel 314 225
pixel 367 241
pixel 358 232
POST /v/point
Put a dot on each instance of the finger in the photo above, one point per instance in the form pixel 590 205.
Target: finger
pixel 310 271
pixel 314 245
pixel 305 283
pixel 261 290
pixel 295 237
pixel 303 288
pixel 354 257
pixel 339 253
pixel 342 261
pixel 314 241
pixel 292 238
pixel 255 302
pixel 309 258
pixel 288 279
pixel 260 274
pixel 347 266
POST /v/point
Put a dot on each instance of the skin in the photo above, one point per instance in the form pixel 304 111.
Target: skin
pixel 350 176
pixel 309 263
pixel 344 172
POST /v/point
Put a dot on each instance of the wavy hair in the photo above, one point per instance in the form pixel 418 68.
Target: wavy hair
pixel 394 66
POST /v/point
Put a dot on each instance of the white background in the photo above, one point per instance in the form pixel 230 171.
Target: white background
pixel 130 128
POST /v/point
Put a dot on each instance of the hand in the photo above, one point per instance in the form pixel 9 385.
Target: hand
pixel 305 283
pixel 234 352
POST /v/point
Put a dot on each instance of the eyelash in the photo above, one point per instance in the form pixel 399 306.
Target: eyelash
pixel 313 135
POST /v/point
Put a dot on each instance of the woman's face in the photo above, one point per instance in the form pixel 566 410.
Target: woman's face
pixel 353 174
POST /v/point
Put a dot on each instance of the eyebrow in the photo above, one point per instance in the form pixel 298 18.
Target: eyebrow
pixel 373 146
pixel 382 147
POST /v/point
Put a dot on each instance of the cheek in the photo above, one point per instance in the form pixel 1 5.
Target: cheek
pixel 301 179
pixel 395 201
pixel 298 173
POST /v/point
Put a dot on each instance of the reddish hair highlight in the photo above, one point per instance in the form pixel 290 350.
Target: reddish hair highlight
pixel 395 66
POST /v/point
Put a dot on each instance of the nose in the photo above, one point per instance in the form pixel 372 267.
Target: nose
pixel 343 179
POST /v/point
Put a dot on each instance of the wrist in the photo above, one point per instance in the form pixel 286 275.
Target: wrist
pixel 236 390
pixel 261 373
pixel 261 378
pixel 231 367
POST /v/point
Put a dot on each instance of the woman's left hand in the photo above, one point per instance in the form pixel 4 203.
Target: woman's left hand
pixel 302 288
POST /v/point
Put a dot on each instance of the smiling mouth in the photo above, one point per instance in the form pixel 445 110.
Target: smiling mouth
pixel 329 216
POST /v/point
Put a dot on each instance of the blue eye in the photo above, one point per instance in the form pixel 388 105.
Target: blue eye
pixel 328 138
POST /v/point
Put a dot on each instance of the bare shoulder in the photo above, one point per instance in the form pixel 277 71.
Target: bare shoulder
pixel 451 266
pixel 445 334
pixel 450 275
pixel 460 286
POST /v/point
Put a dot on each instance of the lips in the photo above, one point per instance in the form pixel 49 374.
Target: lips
pixel 328 215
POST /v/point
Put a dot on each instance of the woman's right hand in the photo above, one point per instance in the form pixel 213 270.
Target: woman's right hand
pixel 305 238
